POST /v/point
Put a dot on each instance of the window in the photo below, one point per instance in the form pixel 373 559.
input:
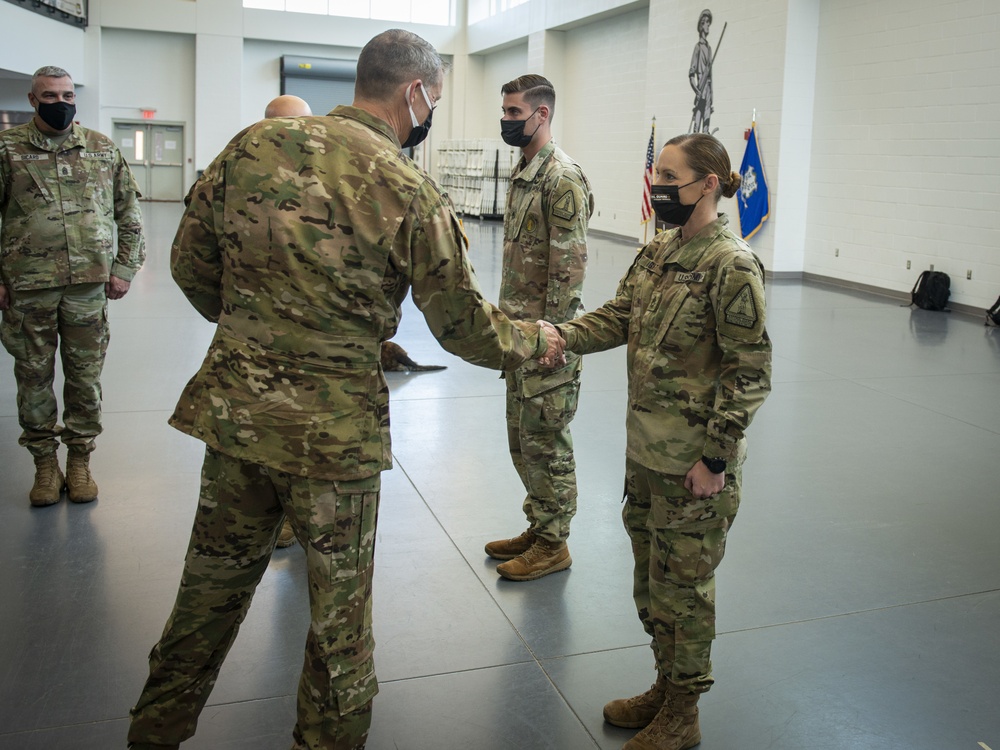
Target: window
pixel 435 12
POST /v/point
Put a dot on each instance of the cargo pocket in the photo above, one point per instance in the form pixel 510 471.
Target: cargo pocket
pixel 354 692
pixel 693 638
pixel 550 399
pixel 11 333
pixel 344 528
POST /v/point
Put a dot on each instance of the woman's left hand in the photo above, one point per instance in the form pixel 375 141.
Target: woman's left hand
pixel 702 483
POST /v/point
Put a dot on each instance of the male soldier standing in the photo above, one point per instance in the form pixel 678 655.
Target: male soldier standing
pixel 63 190
pixel 287 105
pixel 544 260
pixel 302 245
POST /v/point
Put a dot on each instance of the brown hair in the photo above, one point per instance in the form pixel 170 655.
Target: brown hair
pixel 536 89
pixel 706 155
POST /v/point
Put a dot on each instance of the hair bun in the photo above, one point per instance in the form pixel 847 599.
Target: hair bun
pixel 730 186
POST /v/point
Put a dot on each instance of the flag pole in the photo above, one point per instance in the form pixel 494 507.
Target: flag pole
pixel 645 227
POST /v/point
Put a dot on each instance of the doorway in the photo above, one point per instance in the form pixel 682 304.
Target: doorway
pixel 155 153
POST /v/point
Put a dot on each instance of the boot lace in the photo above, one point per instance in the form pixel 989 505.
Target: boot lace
pixel 78 473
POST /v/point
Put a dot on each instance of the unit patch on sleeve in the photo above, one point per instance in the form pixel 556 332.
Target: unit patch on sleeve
pixel 741 305
pixel 565 206
pixel 742 311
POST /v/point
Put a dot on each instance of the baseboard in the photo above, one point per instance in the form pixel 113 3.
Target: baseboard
pixel 903 297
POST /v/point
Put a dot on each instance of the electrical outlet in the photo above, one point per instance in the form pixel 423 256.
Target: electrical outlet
pixel 932 266
pixel 907 265
pixel 968 274
pixel 836 253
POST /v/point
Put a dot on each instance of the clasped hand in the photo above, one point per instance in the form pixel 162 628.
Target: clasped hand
pixel 555 355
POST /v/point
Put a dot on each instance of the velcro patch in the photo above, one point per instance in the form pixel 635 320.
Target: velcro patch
pixel 107 155
pixel 29 157
pixel 742 307
pixel 688 276
pixel 565 206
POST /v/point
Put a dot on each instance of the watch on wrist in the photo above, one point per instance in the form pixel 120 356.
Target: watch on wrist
pixel 715 465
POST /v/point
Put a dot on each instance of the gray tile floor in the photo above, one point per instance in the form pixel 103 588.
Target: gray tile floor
pixel 859 602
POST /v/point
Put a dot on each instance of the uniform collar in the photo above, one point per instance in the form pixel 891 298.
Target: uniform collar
pixel 369 120
pixel 41 141
pixel 527 172
pixel 690 254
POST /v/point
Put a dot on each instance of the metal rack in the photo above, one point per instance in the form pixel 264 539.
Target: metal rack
pixel 476 174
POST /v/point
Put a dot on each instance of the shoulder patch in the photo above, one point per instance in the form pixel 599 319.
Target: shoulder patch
pixel 741 310
pixel 741 306
pixel 565 206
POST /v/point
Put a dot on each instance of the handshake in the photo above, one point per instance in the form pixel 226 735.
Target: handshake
pixel 555 355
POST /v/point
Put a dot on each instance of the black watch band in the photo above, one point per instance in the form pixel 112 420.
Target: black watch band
pixel 715 465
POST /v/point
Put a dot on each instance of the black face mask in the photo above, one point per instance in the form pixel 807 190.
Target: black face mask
pixel 512 131
pixel 667 204
pixel 57 115
pixel 419 132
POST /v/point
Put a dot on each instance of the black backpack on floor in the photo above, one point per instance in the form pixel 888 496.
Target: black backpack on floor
pixel 931 291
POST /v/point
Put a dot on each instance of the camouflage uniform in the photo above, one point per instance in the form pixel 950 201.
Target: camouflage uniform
pixel 544 261
pixel 59 207
pixel 301 241
pixel 699 367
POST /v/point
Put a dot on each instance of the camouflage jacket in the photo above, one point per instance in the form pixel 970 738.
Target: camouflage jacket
pixel 59 206
pixel 301 240
pixel 549 203
pixel 699 357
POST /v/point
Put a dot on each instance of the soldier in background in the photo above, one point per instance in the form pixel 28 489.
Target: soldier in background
pixel 691 312
pixel 301 246
pixel 549 203
pixel 64 189
pixel 287 105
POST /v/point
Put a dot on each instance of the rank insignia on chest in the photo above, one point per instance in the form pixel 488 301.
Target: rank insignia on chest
pixel 689 277
pixel 65 170
pixel 742 311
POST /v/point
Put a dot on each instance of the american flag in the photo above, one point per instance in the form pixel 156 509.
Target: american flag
pixel 647 178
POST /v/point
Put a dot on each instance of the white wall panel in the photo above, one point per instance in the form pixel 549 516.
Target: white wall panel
pixel 907 145
pixel 149 70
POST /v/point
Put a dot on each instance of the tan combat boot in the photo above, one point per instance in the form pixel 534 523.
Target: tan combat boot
pixel 540 559
pixel 286 537
pixel 639 710
pixel 675 727
pixel 49 481
pixel 508 549
pixel 79 483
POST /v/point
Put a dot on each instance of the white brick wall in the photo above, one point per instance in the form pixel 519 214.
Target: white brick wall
pixel 906 145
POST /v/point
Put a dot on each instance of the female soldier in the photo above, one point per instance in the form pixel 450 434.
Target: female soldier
pixel 691 311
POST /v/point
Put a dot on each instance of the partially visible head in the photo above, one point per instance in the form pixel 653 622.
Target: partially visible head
pixel 706 19
pixel 703 156
pixel 53 98
pixel 534 91
pixel 393 58
pixel 287 105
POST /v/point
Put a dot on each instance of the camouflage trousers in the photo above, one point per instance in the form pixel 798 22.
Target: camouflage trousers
pixel 677 543
pixel 239 514
pixel 539 410
pixel 72 320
